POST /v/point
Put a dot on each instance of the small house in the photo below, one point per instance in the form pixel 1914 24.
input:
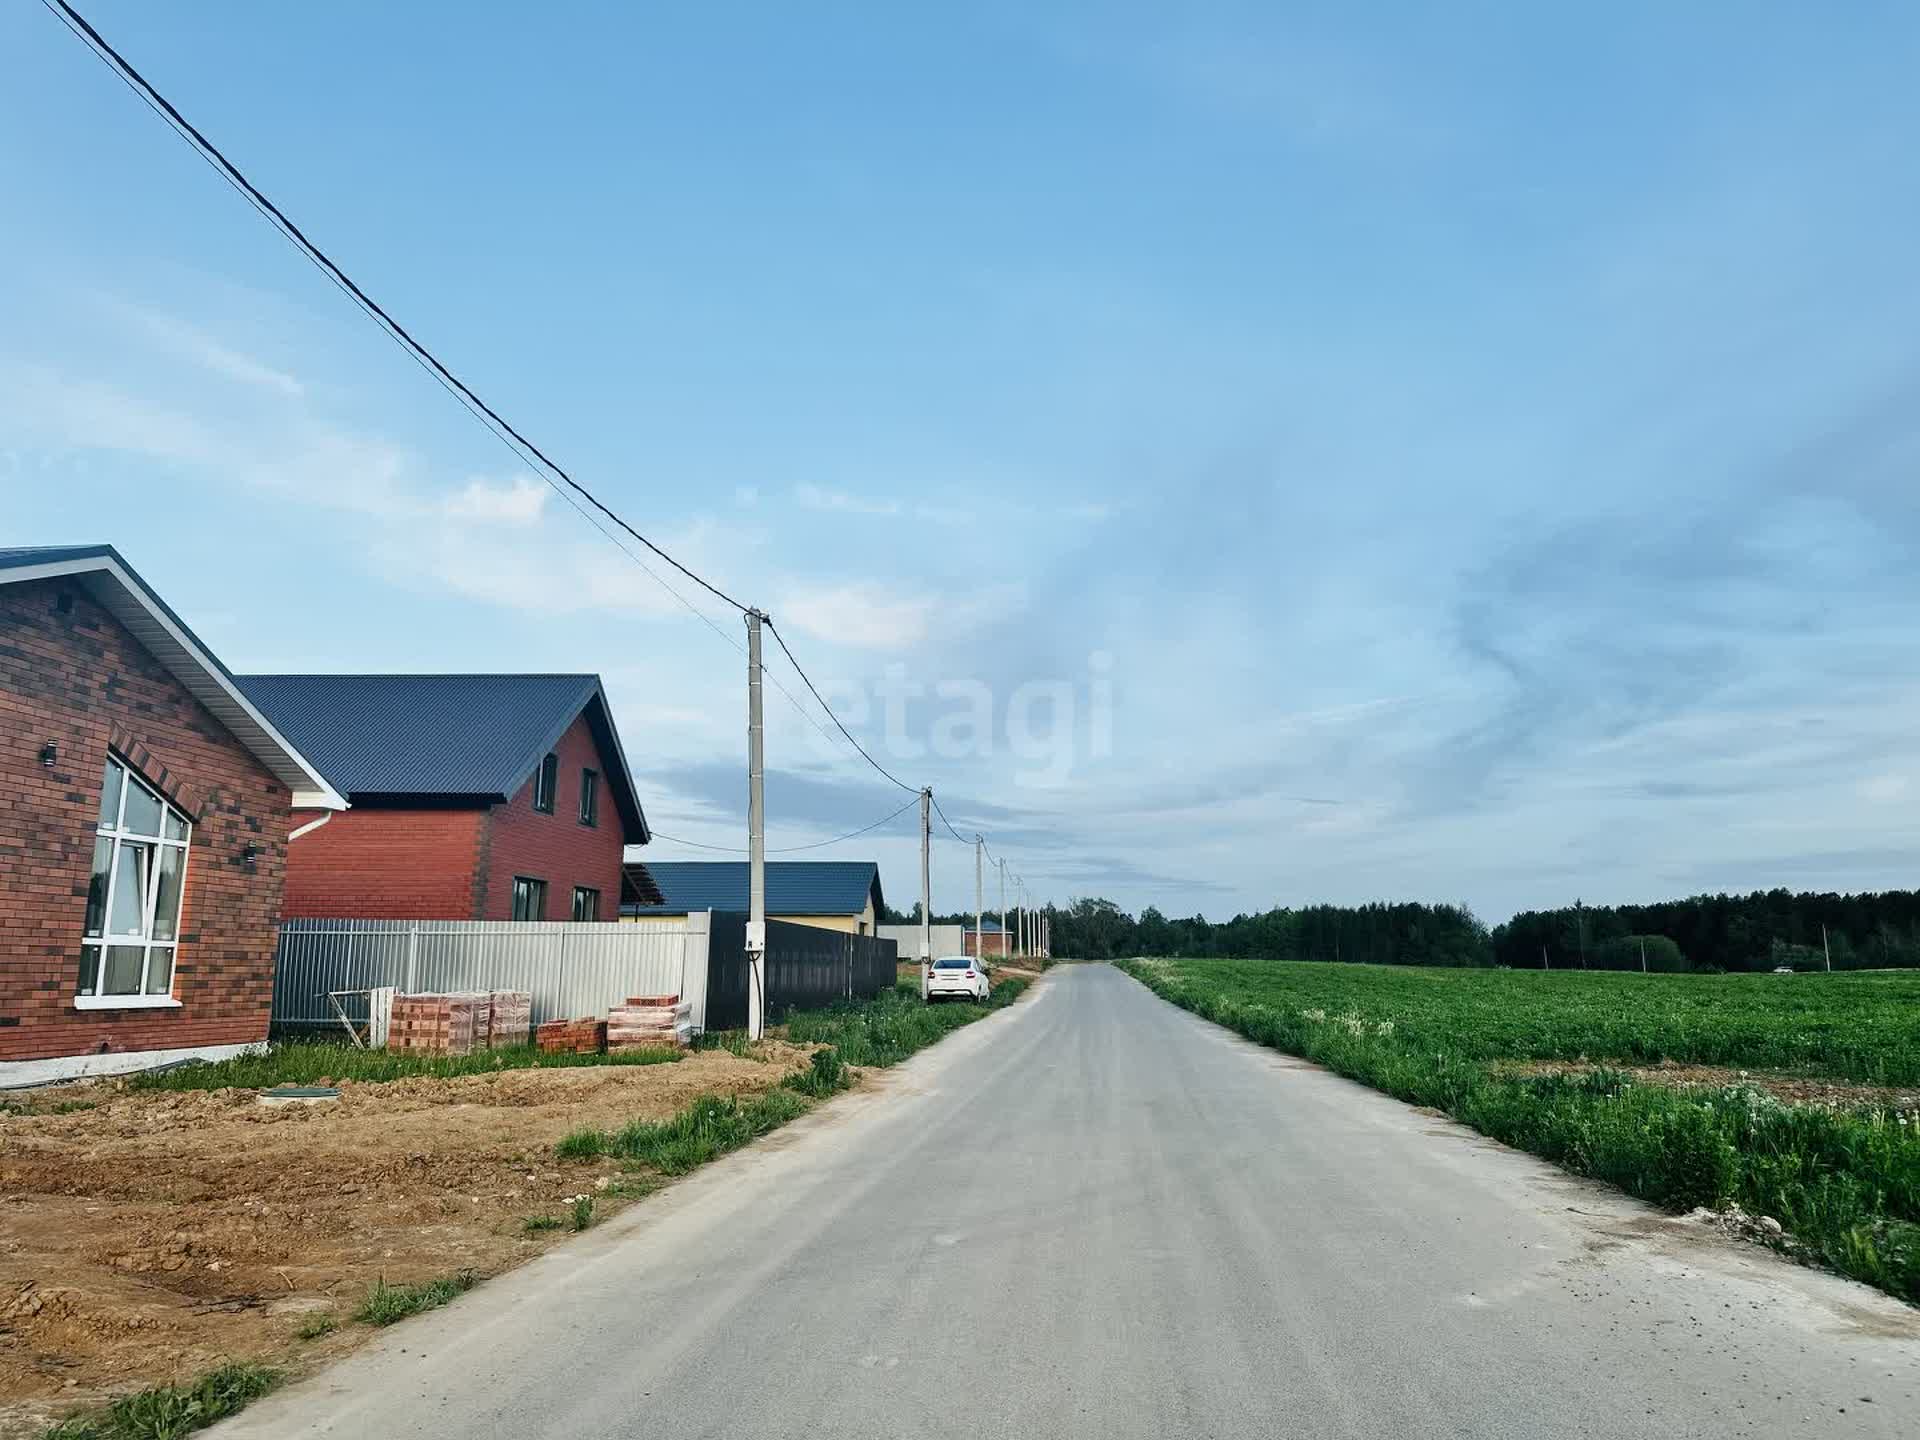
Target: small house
pixel 829 894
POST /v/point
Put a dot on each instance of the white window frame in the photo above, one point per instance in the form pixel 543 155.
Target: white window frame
pixel 155 951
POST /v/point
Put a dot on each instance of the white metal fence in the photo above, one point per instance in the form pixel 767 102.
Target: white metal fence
pixel 947 939
pixel 570 969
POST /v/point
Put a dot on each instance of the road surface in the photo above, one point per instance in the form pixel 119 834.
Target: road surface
pixel 1095 1215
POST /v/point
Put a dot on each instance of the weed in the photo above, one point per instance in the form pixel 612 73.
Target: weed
pixel 893 1025
pixel 321 1322
pixel 705 1130
pixel 826 1075
pixel 170 1411
pixel 387 1303
pixel 583 1144
pixel 540 1224
pixel 582 1214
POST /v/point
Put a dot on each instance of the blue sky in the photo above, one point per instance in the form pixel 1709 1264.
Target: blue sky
pixel 1475 447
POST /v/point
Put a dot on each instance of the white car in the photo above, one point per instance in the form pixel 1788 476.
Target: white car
pixel 956 975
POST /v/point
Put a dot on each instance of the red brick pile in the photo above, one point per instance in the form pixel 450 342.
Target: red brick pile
pixel 440 1024
pixel 645 1021
pixel 510 1022
pixel 586 1036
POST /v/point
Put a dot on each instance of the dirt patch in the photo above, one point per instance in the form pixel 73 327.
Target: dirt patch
pixel 148 1237
pixel 1789 1089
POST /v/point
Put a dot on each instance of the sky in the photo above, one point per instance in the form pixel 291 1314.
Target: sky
pixel 1236 454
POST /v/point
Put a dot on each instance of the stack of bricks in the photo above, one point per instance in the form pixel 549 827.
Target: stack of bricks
pixel 586 1036
pixel 510 1022
pixel 440 1024
pixel 645 1022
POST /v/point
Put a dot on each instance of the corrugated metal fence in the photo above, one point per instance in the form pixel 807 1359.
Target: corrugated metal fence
pixel 807 968
pixel 570 969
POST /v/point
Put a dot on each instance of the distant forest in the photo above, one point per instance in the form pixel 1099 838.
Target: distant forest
pixel 1760 931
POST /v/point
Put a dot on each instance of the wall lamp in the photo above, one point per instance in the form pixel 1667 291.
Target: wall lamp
pixel 250 855
pixel 49 754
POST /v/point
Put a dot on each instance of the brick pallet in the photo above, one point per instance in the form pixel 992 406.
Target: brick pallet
pixel 647 1022
pixel 510 1020
pixel 440 1024
pixel 586 1036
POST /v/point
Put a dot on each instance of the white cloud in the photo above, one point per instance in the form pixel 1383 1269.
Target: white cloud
pixel 205 351
pixel 816 497
pixel 861 614
pixel 520 501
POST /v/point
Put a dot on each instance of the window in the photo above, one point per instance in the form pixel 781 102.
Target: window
pixel 133 900
pixel 589 798
pixel 545 780
pixel 953 962
pixel 529 898
pixel 586 903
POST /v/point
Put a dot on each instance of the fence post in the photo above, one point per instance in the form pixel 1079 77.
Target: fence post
pixel 413 954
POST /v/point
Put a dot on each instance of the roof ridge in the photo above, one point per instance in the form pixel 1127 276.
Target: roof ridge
pixel 421 674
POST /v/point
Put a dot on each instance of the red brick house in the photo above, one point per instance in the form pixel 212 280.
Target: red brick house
pixel 145 804
pixel 473 797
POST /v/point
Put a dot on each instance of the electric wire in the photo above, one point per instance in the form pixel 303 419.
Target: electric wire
pixel 523 449
pixel 791 849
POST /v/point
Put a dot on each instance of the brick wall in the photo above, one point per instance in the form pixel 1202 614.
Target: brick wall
pixel 557 848
pixel 82 681
pixel 389 865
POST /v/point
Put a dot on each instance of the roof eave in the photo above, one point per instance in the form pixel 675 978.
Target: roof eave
pixel 135 605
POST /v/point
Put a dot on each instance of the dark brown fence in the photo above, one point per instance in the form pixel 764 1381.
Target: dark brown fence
pixel 807 969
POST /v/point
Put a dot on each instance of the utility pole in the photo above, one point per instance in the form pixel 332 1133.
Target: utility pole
pixel 756 838
pixel 1004 955
pixel 926 878
pixel 1643 954
pixel 979 912
pixel 1824 948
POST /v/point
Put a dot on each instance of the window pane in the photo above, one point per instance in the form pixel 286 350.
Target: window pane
pixel 97 886
pixel 110 793
pixel 89 968
pixel 589 797
pixel 131 869
pixel 160 970
pixel 176 825
pixel 166 904
pixel 544 781
pixel 143 809
pixel 586 903
pixel 124 963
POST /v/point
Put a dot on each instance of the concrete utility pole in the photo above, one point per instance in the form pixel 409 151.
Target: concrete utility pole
pixel 756 838
pixel 1003 910
pixel 979 910
pixel 926 878
pixel 1824 948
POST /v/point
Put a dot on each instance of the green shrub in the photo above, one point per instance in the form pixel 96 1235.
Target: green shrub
pixel 826 1074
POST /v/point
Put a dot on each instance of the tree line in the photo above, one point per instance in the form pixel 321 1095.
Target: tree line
pixel 1760 931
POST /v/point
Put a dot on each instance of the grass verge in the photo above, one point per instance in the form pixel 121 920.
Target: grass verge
pixel 893 1025
pixel 386 1304
pixel 1846 1184
pixel 304 1062
pixel 169 1411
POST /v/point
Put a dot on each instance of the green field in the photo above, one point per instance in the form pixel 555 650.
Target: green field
pixel 1860 1026
pixel 1845 1182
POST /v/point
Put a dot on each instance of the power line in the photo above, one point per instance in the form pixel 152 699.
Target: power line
pixel 948 823
pixel 912 789
pixel 232 174
pixel 523 449
pixel 792 849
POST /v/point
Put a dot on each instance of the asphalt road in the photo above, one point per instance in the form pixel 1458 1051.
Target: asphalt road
pixel 1094 1215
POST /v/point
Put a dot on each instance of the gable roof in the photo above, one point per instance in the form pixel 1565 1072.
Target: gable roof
pixel 794 887
pixel 475 739
pixel 119 590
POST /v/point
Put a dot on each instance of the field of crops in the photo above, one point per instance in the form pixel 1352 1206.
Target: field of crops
pixel 1844 1181
pixel 1861 1026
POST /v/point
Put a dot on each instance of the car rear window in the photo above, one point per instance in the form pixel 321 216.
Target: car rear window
pixel 951 964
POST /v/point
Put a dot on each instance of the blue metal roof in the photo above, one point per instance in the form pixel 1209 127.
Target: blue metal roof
pixel 473 738
pixel 794 887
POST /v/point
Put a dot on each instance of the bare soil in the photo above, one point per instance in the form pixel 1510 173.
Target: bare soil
pixel 150 1236
pixel 1789 1089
